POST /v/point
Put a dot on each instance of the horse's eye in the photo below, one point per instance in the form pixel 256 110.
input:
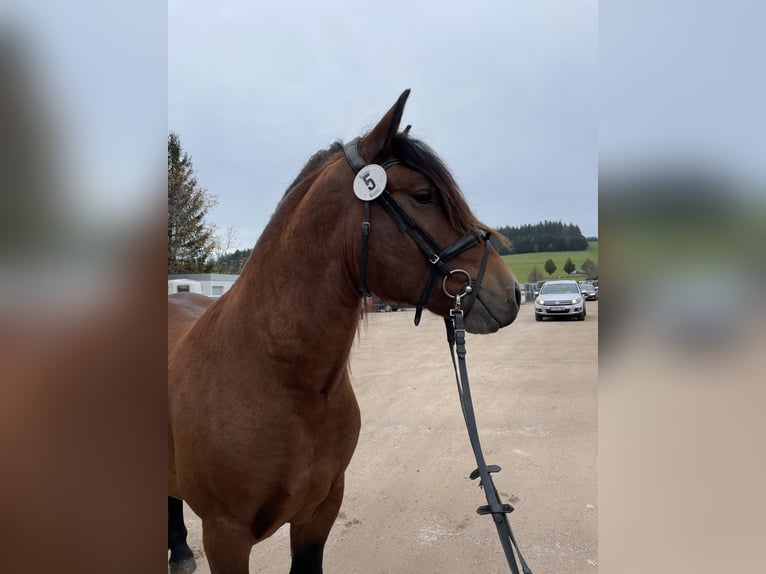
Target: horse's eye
pixel 424 197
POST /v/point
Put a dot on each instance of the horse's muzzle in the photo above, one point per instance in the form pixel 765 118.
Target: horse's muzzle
pixel 493 310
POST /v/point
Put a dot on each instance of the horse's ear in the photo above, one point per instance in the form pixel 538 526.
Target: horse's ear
pixel 378 141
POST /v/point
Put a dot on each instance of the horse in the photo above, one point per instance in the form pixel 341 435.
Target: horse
pixel 262 417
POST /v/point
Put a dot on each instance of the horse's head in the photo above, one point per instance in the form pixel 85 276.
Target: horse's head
pixel 425 247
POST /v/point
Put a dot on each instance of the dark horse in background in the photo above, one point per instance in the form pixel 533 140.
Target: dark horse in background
pixel 262 417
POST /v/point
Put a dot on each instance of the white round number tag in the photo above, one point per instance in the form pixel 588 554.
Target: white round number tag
pixel 370 182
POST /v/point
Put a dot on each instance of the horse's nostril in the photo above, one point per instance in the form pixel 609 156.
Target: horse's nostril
pixel 517 293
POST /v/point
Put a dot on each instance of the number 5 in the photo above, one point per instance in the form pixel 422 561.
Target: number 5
pixel 369 181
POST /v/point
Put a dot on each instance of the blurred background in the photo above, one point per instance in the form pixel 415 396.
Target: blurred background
pixel 83 116
pixel 682 207
pixel 83 125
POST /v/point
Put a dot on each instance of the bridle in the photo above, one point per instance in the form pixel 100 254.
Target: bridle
pixel 455 327
pixel 435 255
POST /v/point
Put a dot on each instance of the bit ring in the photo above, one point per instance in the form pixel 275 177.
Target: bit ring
pixel 467 289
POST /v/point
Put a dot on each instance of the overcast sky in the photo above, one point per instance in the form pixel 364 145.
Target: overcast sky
pixel 505 93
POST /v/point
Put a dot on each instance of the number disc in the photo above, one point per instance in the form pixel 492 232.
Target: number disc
pixel 370 182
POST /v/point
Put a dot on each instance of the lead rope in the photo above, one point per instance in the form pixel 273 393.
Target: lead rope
pixel 498 510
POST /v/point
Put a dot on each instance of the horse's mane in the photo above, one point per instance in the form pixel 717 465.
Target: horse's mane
pixel 315 162
pixel 420 157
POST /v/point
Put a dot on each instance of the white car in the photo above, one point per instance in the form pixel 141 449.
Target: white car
pixel 560 299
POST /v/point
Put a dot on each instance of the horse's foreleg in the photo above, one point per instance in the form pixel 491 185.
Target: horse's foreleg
pixel 307 540
pixel 227 545
pixel 181 557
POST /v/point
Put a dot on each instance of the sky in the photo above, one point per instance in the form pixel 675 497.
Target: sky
pixel 505 93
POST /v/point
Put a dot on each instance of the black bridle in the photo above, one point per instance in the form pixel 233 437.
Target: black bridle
pixel 435 255
pixel 455 334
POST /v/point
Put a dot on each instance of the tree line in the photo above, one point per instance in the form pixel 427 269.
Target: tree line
pixel 232 262
pixel 196 246
pixel 539 237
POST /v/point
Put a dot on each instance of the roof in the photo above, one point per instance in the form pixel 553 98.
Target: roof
pixel 206 276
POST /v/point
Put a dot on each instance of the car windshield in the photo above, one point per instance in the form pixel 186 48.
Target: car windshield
pixel 557 288
pixel 586 285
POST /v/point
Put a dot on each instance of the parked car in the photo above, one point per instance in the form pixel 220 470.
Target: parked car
pixel 560 299
pixel 375 303
pixel 537 287
pixel 590 290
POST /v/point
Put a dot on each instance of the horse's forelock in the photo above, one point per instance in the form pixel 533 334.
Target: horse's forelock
pixel 419 156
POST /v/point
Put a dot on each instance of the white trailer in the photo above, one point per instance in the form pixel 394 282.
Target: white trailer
pixel 184 286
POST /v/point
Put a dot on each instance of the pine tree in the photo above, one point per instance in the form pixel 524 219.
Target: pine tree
pixel 190 238
pixel 550 267
pixel 569 266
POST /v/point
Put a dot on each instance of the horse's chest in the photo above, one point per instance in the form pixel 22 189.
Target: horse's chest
pixel 323 451
pixel 330 441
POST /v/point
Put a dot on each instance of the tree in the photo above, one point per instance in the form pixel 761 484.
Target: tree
pixel 535 275
pixel 190 238
pixel 590 268
pixel 550 267
pixel 232 262
pixel 223 244
pixel 569 266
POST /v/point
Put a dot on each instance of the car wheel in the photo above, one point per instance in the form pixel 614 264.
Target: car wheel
pixel 581 316
pixel 538 317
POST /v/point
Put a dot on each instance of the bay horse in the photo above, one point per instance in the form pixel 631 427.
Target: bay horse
pixel 262 418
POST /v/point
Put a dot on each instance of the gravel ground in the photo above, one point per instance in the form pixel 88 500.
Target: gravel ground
pixel 410 506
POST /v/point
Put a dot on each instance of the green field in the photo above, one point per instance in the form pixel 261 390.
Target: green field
pixel 521 265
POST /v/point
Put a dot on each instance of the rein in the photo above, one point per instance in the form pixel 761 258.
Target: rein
pixel 494 506
pixel 454 324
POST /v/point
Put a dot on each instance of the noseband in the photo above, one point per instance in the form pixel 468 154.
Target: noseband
pixel 435 255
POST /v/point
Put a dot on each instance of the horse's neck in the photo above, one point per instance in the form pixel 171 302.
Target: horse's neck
pixel 295 302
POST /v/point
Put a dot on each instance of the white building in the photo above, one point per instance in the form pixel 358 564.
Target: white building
pixel 184 286
pixel 212 284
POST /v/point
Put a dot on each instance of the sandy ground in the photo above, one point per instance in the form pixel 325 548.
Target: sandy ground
pixel 410 506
